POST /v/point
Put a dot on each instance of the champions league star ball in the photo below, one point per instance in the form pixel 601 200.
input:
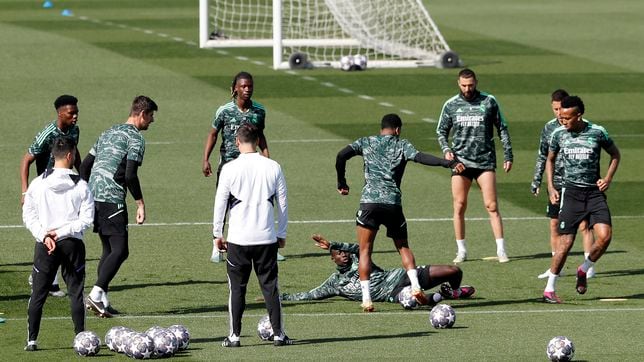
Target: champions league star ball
pixel 140 346
pixel 442 316
pixel 560 349
pixel 165 344
pixel 360 61
pixel 265 329
pixel 87 343
pixel 407 300
pixel 153 330
pixel 111 336
pixel 182 334
pixel 120 338
pixel 346 62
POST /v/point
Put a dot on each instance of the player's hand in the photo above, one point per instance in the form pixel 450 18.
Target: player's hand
pixel 449 155
pixel 50 244
pixel 603 184
pixel 205 168
pixel 221 244
pixel 321 241
pixel 553 195
pixel 343 188
pixel 507 166
pixel 281 242
pixel 140 214
pixel 52 234
pixel 534 189
pixel 458 168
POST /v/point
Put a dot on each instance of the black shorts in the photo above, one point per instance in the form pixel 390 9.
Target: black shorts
pixel 110 219
pixel 371 216
pixel 471 173
pixel 552 210
pixel 578 204
pixel 423 280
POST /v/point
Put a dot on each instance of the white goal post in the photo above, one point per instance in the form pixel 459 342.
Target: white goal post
pixel 304 33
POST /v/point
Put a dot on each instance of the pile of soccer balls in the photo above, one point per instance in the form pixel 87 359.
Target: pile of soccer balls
pixel 156 342
pixel 353 62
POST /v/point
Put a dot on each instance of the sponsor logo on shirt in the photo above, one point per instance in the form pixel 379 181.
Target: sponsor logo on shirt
pixel 469 120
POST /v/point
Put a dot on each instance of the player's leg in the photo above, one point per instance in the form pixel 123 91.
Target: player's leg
pixel 552 211
pixel 238 269
pixel 44 268
pixel 366 236
pixel 73 272
pixel 588 241
pixel 110 266
pixel 487 182
pixel 460 189
pixel 600 221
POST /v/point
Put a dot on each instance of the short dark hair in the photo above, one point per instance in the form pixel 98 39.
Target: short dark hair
pixel 573 102
pixel 248 133
pixel 391 121
pixel 238 76
pixel 143 103
pixel 61 146
pixel 65 100
pixel 558 95
pixel 467 73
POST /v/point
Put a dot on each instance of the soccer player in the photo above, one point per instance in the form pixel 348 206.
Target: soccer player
pixel 385 157
pixel 111 168
pixel 58 207
pixel 250 188
pixel 40 151
pixel 582 195
pixel 385 285
pixel 552 210
pixel 471 116
pixel 240 110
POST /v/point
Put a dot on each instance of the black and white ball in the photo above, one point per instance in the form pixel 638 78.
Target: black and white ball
pixel 153 330
pixel 360 61
pixel 120 339
pixel 265 329
pixel 407 300
pixel 560 349
pixel 165 344
pixel 442 316
pixel 110 338
pixel 139 346
pixel 87 343
pixel 346 62
pixel 182 334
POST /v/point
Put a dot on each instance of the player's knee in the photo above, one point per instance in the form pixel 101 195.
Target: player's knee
pixel 492 207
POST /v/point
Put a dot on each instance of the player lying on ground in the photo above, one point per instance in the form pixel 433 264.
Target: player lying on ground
pixel 385 285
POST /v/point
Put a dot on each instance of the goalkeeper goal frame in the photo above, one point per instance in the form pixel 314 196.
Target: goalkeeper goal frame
pixel 382 49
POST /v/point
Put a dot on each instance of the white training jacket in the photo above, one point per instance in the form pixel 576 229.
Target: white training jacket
pixel 58 200
pixel 254 186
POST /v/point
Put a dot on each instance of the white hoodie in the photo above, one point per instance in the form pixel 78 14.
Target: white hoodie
pixel 58 200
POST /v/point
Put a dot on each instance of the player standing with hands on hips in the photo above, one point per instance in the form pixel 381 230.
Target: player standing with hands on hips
pixel 250 188
pixel 471 117
pixel 112 168
pixel 385 157
pixel 582 195
pixel 58 208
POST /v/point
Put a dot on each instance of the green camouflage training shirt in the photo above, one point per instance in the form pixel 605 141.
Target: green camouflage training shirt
pixel 227 120
pixel 472 125
pixel 41 145
pixel 542 154
pixel 581 152
pixel 385 158
pixel 113 148
pixel 345 281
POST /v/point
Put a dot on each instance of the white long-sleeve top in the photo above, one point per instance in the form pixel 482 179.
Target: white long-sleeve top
pixel 58 200
pixel 254 186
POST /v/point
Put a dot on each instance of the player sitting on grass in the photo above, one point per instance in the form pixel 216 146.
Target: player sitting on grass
pixel 385 285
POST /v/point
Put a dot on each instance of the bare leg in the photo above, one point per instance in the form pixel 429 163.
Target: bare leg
pixel 487 182
pixel 460 189
pixel 365 240
pixel 559 259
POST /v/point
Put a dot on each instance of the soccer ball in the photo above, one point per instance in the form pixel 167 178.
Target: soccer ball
pixel 121 338
pixel 360 61
pixel 560 349
pixel 407 300
pixel 165 343
pixel 87 343
pixel 182 334
pixel 346 62
pixel 154 330
pixel 442 316
pixel 111 337
pixel 139 346
pixel 265 329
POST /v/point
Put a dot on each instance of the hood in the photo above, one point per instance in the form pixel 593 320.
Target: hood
pixel 60 179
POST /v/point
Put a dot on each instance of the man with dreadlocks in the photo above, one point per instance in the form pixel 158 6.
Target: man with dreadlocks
pixel 241 109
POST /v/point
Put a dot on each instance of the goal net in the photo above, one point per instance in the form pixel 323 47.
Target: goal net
pixel 391 33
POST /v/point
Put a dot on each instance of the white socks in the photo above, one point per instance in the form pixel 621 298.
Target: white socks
pixel 500 246
pixel 366 294
pixel 97 294
pixel 586 265
pixel 552 281
pixel 462 246
pixel 413 278
pixel 55 279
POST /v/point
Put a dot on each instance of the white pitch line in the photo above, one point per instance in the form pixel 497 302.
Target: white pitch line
pixel 341 221
pixel 400 313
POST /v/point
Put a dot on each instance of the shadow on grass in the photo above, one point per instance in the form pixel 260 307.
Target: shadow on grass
pixel 8 298
pixel 549 255
pixel 164 284
pixel 360 338
pixel 619 273
pixel 474 303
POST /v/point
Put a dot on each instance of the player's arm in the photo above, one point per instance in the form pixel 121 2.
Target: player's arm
pixel 221 200
pixel 86 166
pixel 30 216
pixel 282 209
pixel 550 171
pixel 442 132
pixel 328 289
pixel 134 186
pixel 431 160
pixel 540 165
pixel 615 156
pixel 85 214
pixel 504 135
pixel 26 162
pixel 341 166
pixel 263 145
pixel 211 140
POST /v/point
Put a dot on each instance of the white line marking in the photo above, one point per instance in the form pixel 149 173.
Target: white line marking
pixel 406 111
pixel 429 120
pixel 345 90
pixel 306 77
pixel 385 104
pixel 366 97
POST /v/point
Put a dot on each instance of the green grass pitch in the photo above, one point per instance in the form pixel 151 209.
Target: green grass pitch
pixel 111 50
